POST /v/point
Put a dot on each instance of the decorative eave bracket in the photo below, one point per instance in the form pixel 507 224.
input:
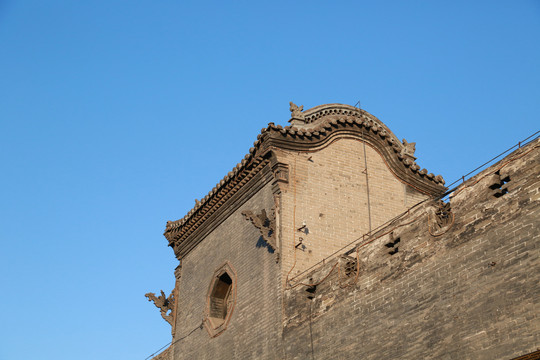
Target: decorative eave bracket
pixel 266 226
pixel 281 175
pixel 165 304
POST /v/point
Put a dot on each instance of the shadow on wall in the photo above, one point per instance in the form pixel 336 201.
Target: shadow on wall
pixel 261 243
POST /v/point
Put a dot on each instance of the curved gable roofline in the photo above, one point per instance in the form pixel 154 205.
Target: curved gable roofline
pixel 322 112
pixel 321 126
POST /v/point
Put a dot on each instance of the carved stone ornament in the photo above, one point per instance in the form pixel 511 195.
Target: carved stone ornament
pixel 297 117
pixel 408 149
pixel 443 218
pixel 266 226
pixel 165 304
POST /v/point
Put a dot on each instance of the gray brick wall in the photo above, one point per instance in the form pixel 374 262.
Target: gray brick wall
pixel 254 328
pixel 472 293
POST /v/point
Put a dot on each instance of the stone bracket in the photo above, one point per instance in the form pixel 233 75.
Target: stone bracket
pixel 281 172
pixel 499 184
pixel 281 176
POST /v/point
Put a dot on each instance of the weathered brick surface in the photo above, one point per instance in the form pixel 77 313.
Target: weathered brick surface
pixel 329 192
pixel 253 332
pixel 472 293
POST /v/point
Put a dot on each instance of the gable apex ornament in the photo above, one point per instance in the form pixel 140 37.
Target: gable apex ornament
pixel 297 117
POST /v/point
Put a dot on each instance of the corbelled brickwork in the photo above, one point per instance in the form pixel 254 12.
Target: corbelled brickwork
pixel 329 242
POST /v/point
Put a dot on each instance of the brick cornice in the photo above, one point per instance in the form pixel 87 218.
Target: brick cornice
pixel 402 166
pixel 209 215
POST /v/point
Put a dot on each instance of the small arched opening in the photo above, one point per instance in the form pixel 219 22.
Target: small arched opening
pixel 220 300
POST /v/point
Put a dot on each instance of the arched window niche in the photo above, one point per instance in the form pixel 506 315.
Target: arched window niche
pixel 220 300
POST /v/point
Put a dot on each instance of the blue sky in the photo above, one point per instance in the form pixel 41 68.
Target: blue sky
pixel 116 115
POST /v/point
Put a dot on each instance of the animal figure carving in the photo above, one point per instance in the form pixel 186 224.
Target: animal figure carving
pixel 408 148
pixel 165 304
pixel 296 111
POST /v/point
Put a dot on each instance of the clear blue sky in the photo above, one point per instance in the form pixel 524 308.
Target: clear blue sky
pixel 116 115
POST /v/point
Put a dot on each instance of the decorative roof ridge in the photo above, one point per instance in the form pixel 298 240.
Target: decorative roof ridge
pixel 318 113
pixel 404 150
pixel 225 180
pixel 250 159
pixel 331 109
pixel 319 121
